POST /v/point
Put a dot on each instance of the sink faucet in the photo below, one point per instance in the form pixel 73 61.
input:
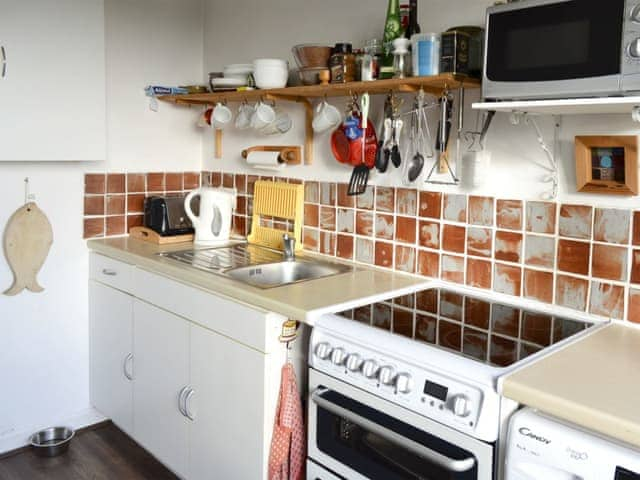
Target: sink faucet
pixel 288 248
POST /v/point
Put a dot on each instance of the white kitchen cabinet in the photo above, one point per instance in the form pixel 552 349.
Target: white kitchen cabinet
pixel 111 359
pixel 52 92
pixel 161 346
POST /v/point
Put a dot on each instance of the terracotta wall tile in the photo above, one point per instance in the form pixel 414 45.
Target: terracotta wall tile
pixel 506 279
pixel 636 229
pixel 428 263
pixel 426 328
pixel 450 335
pixel 155 182
pixel 365 251
pixel 173 182
pixel 134 221
pixel 609 262
pixel 612 225
pixel 310 239
pixel 381 316
pixel 115 225
pixel 364 223
pixel 455 207
pixel 634 306
pixel 505 320
pixel 429 234
pixel 453 238
pixel 191 180
pixel 536 328
pixel 606 300
pixel 241 205
pixel 363 314
pixel 478 273
pixel 311 215
pixel 385 199
pixel 451 305
pixel 541 217
pixel 365 201
pixel 344 247
pixel 408 301
pixel 239 225
pixel 116 183
pixel 216 181
pixel 136 183
pixel 311 192
pixel 572 292
pixel 228 180
pixel 430 204
pixel 345 220
pixel 403 323
pixel 328 193
pixel 116 204
pixel 206 179
pixel 328 218
pixel 508 246
pixel 407 201
pixel 327 243
pixel 477 312
pixel 635 266
pixel 241 183
pixel 538 285
pixel 573 256
pixel 93 227
pixel 345 200
pixel 406 229
pixel 95 183
pixel 481 211
pixel 540 251
pixel 452 268
pixel 509 214
pixel 575 221
pixel 427 301
pixel 384 254
pixel 503 351
pixel 385 227
pixel 405 260
pixel 475 344
pixel 94 205
pixel 479 242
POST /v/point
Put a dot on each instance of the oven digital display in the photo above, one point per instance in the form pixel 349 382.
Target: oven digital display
pixel 436 391
pixel 624 474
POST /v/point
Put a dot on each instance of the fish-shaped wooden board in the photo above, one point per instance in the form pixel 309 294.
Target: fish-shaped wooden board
pixel 27 240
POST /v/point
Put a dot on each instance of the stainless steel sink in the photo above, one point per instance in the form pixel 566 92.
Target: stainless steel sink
pixel 283 273
pixel 257 266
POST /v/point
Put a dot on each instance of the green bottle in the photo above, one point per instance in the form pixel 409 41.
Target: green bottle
pixel 392 30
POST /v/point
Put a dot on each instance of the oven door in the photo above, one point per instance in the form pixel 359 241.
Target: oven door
pixel 550 48
pixel 360 436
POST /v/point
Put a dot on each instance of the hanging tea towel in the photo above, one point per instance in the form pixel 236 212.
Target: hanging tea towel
pixel 288 444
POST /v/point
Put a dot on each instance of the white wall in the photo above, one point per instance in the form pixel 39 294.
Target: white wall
pixel 272 28
pixel 43 337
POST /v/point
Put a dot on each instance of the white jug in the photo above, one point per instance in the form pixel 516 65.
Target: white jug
pixel 213 225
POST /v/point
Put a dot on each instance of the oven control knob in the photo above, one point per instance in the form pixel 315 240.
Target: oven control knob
pixel 354 361
pixel 404 383
pixel 338 356
pixel 633 49
pixel 461 406
pixel 386 374
pixel 323 350
pixel 370 368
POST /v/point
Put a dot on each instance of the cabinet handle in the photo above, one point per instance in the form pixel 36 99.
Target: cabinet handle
pixel 181 402
pixel 187 405
pixel 3 52
pixel 109 272
pixel 127 372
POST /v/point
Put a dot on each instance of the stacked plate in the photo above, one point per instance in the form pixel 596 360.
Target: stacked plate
pixel 235 76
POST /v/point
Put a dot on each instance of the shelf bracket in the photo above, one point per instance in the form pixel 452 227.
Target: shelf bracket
pixel 218 143
pixel 308 122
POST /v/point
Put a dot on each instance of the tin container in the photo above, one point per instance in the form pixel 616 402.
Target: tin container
pixel 454 52
pixel 426 54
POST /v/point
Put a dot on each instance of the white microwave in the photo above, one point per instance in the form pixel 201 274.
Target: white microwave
pixel 538 49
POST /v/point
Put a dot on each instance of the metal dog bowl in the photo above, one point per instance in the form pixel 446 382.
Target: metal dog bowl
pixel 52 441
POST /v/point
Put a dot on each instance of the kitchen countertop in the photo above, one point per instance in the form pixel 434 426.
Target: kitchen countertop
pixel 302 301
pixel 593 382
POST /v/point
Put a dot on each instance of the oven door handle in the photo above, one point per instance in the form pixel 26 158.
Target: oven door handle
pixel 434 457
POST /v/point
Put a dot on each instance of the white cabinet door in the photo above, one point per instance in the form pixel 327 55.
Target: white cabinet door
pixel 110 347
pixel 52 94
pixel 161 346
pixel 228 404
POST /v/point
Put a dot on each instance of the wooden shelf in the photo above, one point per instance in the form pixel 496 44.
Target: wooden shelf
pixel 576 106
pixel 435 85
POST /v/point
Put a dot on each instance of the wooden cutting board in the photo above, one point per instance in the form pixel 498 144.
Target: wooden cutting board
pixel 27 240
pixel 148 235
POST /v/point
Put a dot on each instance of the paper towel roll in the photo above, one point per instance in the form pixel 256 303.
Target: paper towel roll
pixel 266 160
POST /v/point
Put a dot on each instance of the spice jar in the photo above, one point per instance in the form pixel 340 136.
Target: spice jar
pixel 342 63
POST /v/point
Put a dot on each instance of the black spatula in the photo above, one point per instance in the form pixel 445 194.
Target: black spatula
pixel 360 175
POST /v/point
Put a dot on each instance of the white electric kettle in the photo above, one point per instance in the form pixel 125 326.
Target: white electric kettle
pixel 213 225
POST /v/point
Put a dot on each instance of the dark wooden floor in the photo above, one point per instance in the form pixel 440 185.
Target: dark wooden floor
pixel 104 453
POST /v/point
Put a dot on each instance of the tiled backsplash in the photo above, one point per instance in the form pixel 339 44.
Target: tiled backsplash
pixel 577 256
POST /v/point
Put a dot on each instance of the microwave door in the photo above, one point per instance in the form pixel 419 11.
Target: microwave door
pixel 545 49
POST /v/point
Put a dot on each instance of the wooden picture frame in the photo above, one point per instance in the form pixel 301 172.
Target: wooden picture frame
pixel 607 164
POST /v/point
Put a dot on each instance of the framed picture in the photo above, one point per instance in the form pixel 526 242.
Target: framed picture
pixel 607 164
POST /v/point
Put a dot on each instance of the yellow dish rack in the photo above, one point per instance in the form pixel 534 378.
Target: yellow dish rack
pixel 276 201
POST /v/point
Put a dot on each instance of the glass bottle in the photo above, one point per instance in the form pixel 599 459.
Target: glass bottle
pixel 392 30
pixel 413 27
